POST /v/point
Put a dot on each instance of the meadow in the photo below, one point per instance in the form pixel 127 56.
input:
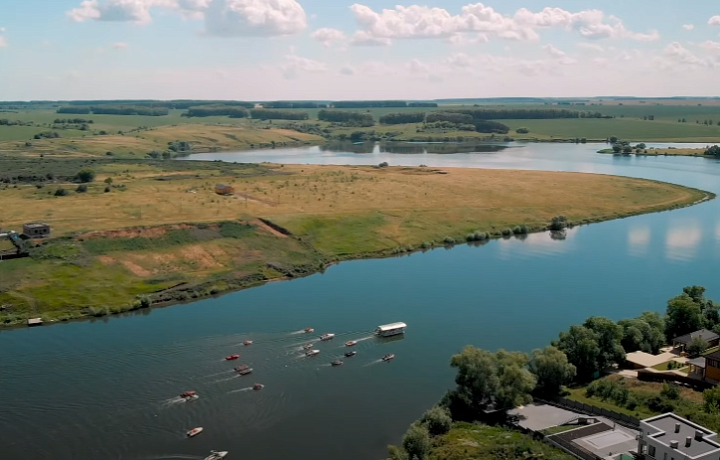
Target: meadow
pixel 157 228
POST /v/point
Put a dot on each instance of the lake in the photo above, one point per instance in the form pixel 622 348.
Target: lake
pixel 107 389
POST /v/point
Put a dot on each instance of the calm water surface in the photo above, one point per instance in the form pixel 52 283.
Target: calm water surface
pixel 107 389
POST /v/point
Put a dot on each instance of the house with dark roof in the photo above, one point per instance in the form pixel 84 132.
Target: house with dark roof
pixel 706 368
pixel 671 437
pixel 711 338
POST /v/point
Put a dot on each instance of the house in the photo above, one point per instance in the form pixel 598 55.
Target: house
pixel 711 338
pixel 706 368
pixel 671 437
pixel 221 189
pixel 36 230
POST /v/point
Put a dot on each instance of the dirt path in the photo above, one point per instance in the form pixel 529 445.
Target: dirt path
pixel 268 228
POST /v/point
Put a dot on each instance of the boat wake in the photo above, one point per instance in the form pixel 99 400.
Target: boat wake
pixel 176 400
pixel 373 362
pixel 226 379
pixel 240 390
pixel 173 457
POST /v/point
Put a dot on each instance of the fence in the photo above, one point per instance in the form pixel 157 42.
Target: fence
pixel 648 376
pixel 622 419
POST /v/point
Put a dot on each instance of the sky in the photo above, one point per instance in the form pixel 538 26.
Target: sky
pixel 373 49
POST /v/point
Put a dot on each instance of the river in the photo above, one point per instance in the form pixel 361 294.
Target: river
pixel 106 389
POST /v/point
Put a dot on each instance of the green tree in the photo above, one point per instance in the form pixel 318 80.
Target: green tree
pixel 580 345
pixel 617 148
pixel 85 175
pixel 645 333
pixel 485 379
pixel 108 180
pixel 627 149
pixel 610 337
pixel 416 442
pixel 711 400
pixel 682 316
pixel 437 420
pixel 696 346
pixel 613 139
pixel 552 370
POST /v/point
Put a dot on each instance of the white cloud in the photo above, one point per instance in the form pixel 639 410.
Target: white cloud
pixel 459 60
pixel 362 38
pixel 137 11
pixel 416 65
pixel 467 39
pixel 554 52
pixel 294 65
pixel 591 47
pixel 3 42
pixel 710 45
pixel 417 21
pixel 714 21
pixel 254 18
pixel 327 36
pixel 119 45
pixel 347 70
pixel 688 26
pixel 677 54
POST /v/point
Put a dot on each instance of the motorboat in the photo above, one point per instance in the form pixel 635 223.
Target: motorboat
pixel 307 346
pixel 312 353
pixel 216 455
pixel 327 336
pixel 188 394
pixel 231 357
pixel 258 386
pixel 350 354
pixel 247 342
pixel 245 371
pixel 388 357
pixel 242 367
pixel 194 432
pixel 337 362
pixel 350 343
pixel 309 330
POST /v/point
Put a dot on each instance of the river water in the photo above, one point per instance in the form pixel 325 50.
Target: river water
pixel 107 389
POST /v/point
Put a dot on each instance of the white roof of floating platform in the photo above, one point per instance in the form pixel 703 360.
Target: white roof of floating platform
pixel 391 326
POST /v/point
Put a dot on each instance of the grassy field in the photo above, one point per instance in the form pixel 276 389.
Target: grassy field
pixel 160 225
pixel 629 124
pixel 469 441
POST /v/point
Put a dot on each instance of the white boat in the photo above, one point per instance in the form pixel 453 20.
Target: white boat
pixel 327 336
pixel 216 455
pixel 312 353
pixel 388 330
pixel 388 357
pixel 307 346
pixel 194 432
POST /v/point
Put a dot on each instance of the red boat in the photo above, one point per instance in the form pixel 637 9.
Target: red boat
pixel 247 342
pixel 241 368
pixel 188 394
pixel 231 357
pixel 258 386
pixel 309 329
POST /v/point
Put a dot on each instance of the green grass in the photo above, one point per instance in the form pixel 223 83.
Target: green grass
pixel 558 429
pixel 578 394
pixel 664 367
pixel 466 441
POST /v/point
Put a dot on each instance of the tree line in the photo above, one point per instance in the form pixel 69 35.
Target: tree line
pixel 115 110
pixel 220 110
pixel 526 114
pixel 714 150
pixel 348 118
pixel 72 121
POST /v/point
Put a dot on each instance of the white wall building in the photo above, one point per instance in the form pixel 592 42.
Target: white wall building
pixel 670 437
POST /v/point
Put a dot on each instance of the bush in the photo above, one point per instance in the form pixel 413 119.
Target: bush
pixel 558 223
pixel 416 442
pixel 520 230
pixel 85 175
pixel 107 189
pixel 437 420
pixel 659 405
pixel 449 240
pixel 61 192
pixel 507 232
pixel 670 391
pixel 384 164
pixel 82 188
pixel 522 130
pixel 145 302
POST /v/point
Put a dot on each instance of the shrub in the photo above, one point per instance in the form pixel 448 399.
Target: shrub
pixel 437 420
pixel 507 232
pixel 449 240
pixel 670 391
pixel 481 236
pixel 558 223
pixel 384 164
pixel 520 230
pixel 145 302
pixel 425 245
pixel 416 442
pixel 658 404
pixel 61 192
pixel 85 175
pixel 522 130
pixel 82 188
pixel 107 189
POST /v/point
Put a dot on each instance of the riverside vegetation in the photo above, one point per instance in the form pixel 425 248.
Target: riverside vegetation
pixel 488 381
pixel 132 233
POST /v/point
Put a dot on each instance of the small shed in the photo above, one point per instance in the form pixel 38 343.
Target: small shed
pixel 221 189
pixel 36 230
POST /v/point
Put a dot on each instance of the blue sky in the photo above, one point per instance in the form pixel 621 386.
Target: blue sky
pixel 338 49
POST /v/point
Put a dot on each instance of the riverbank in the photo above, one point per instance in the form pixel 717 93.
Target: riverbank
pixel 155 232
pixel 670 151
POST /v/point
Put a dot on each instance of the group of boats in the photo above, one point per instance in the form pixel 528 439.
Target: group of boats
pixel 243 369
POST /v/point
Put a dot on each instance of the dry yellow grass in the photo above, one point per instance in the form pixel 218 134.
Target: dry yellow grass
pixel 138 143
pixel 406 205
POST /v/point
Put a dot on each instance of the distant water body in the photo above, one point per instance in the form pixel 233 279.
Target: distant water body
pixel 108 389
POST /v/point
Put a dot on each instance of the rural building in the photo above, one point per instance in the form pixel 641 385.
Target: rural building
pixel 670 437
pixel 706 368
pixel 36 230
pixel 711 338
pixel 221 189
